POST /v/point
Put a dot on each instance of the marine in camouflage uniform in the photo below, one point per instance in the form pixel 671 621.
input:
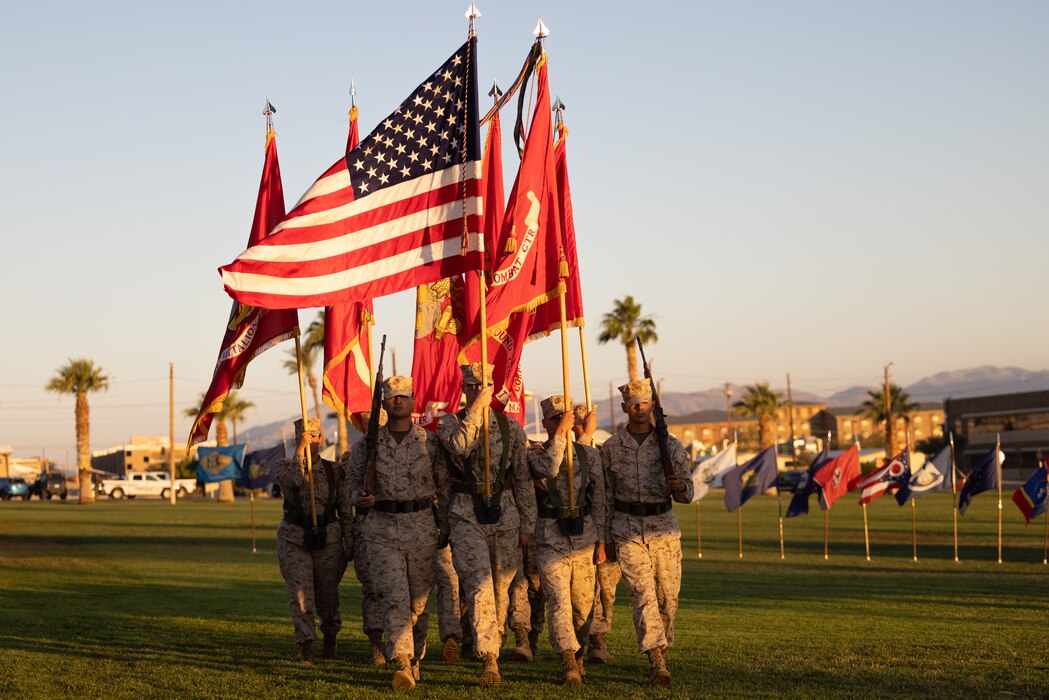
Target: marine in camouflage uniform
pixel 486 537
pixel 569 540
pixel 313 562
pixel 400 529
pixel 449 610
pixel 608 571
pixel 371 595
pixel 527 607
pixel 641 522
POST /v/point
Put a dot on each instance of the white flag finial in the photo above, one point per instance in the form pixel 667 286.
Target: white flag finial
pixel 472 12
pixel 541 29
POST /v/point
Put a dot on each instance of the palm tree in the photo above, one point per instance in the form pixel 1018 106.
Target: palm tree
pixel 233 409
pixel 761 402
pixel 80 377
pixel 309 360
pixel 901 407
pixel 625 323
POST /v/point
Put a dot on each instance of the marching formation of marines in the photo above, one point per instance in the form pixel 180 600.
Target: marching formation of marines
pixel 547 530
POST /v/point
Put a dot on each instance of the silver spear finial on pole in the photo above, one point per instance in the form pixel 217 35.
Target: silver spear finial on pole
pixel 558 109
pixel 353 93
pixel 495 93
pixel 268 111
pixel 541 31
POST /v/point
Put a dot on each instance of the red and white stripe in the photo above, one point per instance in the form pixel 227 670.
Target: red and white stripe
pixel 333 249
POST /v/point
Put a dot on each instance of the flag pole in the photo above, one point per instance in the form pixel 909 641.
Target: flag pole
pixel 568 406
pixel 699 534
pixel 998 466
pixel 309 448
pixel 826 516
pixel 1045 539
pixel 954 495
pixel 251 498
pixel 779 499
pixel 739 517
pixel 914 528
pixel 171 427
pixel 866 535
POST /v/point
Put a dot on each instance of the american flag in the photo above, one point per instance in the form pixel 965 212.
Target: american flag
pixel 893 475
pixel 391 215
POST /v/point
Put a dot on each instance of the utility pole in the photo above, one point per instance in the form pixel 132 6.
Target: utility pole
pixel 890 429
pixel 612 407
pixel 728 409
pixel 171 428
pixel 790 418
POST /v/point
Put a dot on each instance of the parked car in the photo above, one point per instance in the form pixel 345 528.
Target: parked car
pixel 13 487
pixel 146 484
pixel 47 486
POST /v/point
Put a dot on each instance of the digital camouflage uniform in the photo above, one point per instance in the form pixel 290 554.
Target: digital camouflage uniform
pixel 566 561
pixel 451 611
pixel 608 575
pixel 312 576
pixel 486 556
pixel 648 547
pixel 371 596
pixel 402 545
pixel 527 605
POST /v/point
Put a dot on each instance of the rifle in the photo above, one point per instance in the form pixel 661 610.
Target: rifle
pixel 371 439
pixel 662 435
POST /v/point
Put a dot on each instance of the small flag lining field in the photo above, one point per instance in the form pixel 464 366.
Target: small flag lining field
pixel 139 598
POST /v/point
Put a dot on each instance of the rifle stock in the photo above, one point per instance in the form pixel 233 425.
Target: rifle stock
pixel 662 434
pixel 371 438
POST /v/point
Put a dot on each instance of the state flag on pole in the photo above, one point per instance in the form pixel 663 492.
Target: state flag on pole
pixel 258 469
pixel 893 475
pixel 548 316
pixel 750 478
pixel 216 464
pixel 347 343
pixel 982 477
pixel 525 272
pixel 835 476
pixel 708 473
pixel 930 477
pixel 799 502
pixel 1031 497
pixel 250 330
pixel 402 209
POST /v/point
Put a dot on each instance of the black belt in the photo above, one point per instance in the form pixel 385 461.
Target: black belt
pixel 636 508
pixel 558 513
pixel 403 506
pixel 474 489
pixel 323 520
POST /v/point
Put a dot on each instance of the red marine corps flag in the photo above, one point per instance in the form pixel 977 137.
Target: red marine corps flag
pixel 525 272
pixel 250 330
pixel 347 342
pixel 401 210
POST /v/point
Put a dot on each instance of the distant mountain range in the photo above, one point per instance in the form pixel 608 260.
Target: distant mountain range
pixel 976 381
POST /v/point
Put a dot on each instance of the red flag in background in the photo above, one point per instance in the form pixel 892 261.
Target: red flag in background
pixel 835 476
pixel 347 344
pixel 548 316
pixel 525 268
pixel 250 330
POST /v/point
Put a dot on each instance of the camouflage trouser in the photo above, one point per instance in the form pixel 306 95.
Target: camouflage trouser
pixel 371 598
pixel 526 594
pixel 449 622
pixel 486 561
pixel 653 574
pixel 312 576
pixel 568 581
pixel 608 575
pixel 406 575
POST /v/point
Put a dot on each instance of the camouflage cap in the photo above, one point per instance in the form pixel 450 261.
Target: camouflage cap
pixel 312 424
pixel 397 386
pixel 552 406
pixel 367 415
pixel 472 373
pixel 579 411
pixel 638 391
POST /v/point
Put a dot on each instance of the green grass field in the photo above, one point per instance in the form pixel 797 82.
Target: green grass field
pixel 133 598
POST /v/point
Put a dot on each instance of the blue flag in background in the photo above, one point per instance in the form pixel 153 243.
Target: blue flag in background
pixel 220 463
pixel 931 477
pixel 1031 498
pixel 983 477
pixel 750 478
pixel 799 503
pixel 258 467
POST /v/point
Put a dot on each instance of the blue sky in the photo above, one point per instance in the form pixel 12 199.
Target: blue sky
pixel 812 187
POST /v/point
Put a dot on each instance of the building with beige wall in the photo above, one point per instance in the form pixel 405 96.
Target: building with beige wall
pixel 142 453
pixel 847 424
pixel 715 427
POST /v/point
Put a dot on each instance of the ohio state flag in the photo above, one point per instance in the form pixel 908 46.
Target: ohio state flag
pixel 250 330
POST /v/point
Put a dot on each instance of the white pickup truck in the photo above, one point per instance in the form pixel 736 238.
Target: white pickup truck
pixel 146 484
